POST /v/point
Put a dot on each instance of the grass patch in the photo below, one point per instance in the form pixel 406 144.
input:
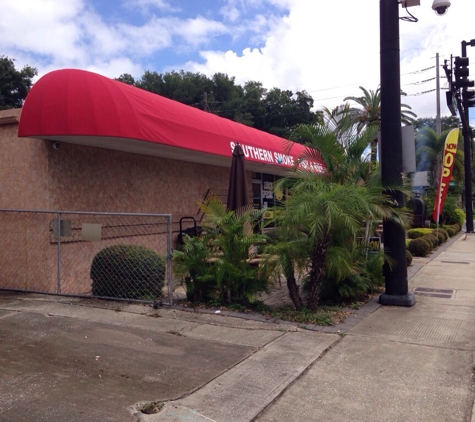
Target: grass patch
pixel 321 317
pixel 152 407
pixel 329 313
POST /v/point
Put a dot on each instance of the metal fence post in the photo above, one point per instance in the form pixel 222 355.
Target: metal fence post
pixel 169 260
pixel 58 228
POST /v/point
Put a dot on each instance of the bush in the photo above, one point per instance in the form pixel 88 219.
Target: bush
pixel 408 258
pixel 451 230
pixel 191 264
pixel 367 279
pixel 439 236
pixel 416 233
pixel 432 239
pixel 419 247
pixel 127 272
pixel 444 233
pixel 455 216
pixel 459 217
pixel 454 227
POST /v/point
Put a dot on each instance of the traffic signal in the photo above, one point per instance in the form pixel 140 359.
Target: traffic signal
pixel 468 96
pixel 461 73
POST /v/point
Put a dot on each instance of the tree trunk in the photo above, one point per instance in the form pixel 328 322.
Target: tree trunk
pixel 289 274
pixel 294 292
pixel 317 271
pixel 374 150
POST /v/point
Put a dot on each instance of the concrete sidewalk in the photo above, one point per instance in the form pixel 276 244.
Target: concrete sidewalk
pixel 85 360
pixel 397 364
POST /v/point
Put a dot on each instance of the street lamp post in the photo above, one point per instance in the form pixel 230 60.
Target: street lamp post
pixel 395 272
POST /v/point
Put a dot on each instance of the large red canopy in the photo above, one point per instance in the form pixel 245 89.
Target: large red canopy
pixel 82 107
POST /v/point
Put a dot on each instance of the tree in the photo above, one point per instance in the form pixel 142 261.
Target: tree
pixel 369 113
pixel 254 94
pixel 326 218
pixel 337 142
pixel 429 155
pixel 447 123
pixel 14 84
pixel 325 213
pixel 126 78
pixel 274 111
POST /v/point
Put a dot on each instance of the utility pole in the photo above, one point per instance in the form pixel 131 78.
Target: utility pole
pixel 205 102
pixel 438 124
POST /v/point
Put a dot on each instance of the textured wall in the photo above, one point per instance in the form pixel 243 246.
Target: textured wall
pixel 36 176
pixel 23 167
pixel 94 179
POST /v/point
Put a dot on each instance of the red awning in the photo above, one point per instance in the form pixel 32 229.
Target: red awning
pixel 82 107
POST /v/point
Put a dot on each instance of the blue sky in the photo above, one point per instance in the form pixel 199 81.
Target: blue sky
pixel 327 47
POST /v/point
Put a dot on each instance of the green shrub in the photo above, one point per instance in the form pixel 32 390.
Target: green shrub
pixel 416 233
pixel 444 233
pixel 451 230
pixel 366 279
pixel 432 239
pixel 459 217
pixel 127 272
pixel 455 216
pixel 455 227
pixel 191 265
pixel 216 267
pixel 419 247
pixel 439 236
pixel 408 258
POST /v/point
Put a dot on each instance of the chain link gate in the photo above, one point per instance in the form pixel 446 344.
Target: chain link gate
pixel 108 255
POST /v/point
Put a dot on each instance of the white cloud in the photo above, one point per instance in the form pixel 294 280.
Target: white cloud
pixel 45 27
pixel 198 30
pixel 320 47
pixel 147 5
pixel 55 34
pixel 230 13
pixel 328 48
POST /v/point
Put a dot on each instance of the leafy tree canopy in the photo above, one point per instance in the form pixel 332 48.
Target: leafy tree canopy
pixel 275 111
pixel 14 84
pixel 447 123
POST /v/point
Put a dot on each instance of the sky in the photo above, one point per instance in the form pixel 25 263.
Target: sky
pixel 327 47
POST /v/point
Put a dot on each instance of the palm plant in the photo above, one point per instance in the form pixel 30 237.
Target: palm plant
pixel 340 146
pixel 369 113
pixel 429 155
pixel 218 265
pixel 191 265
pixel 231 238
pixel 325 213
pixel 329 216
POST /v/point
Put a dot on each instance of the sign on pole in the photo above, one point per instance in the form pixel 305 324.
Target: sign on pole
pixel 450 149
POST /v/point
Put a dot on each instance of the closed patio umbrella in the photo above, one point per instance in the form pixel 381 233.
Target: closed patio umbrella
pixel 237 193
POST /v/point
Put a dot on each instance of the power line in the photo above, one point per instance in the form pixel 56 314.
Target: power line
pixel 418 71
pixel 421 93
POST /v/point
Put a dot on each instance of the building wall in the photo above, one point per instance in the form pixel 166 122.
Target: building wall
pixel 36 176
pixel 85 178
pixel 23 167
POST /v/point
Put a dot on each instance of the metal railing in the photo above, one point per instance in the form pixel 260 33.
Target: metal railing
pixel 89 254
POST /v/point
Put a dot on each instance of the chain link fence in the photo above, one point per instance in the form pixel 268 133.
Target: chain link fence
pixel 107 255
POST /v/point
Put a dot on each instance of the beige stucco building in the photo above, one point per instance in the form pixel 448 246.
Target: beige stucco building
pixel 86 143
